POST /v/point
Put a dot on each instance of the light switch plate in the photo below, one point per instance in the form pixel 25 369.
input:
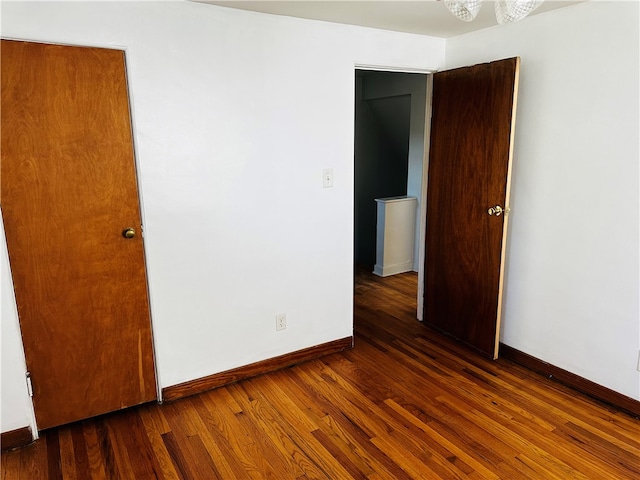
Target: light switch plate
pixel 327 177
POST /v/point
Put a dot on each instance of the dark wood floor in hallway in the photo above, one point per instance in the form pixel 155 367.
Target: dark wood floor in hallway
pixel 404 403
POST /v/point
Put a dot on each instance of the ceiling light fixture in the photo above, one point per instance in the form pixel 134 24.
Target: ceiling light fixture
pixel 506 10
pixel 464 9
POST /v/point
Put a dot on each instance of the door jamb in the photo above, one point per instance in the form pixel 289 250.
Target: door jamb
pixel 423 203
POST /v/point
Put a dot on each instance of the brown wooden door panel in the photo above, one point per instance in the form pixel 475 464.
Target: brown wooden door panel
pixel 469 163
pixel 68 191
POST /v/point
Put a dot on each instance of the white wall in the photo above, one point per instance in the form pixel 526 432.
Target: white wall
pixel 15 404
pixel 235 116
pixel 572 277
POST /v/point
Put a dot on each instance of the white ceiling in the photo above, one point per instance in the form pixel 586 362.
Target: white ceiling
pixel 427 17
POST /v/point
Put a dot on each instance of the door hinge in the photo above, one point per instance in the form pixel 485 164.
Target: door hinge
pixel 29 384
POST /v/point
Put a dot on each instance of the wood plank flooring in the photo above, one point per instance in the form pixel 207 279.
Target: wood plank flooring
pixel 405 403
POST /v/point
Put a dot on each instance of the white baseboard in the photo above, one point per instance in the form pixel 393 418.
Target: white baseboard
pixel 392 269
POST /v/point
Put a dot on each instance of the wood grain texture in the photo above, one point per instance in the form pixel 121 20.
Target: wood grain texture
pixel 16 438
pixel 572 380
pixel 404 403
pixel 69 189
pixel 216 380
pixel 469 159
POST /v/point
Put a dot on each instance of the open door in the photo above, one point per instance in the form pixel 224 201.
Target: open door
pixel 72 219
pixel 471 149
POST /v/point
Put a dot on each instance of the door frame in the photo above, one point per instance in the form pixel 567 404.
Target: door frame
pixel 130 94
pixel 422 205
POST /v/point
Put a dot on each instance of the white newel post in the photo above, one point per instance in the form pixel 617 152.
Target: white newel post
pixel 395 235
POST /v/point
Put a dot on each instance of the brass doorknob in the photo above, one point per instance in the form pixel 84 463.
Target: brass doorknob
pixel 497 211
pixel 129 233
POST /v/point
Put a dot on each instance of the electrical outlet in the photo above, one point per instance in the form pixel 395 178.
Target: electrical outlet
pixel 281 321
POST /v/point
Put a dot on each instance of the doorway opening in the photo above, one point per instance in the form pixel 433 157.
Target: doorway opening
pixel 460 288
pixel 389 162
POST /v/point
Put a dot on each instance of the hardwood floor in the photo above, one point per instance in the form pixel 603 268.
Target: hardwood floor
pixel 404 403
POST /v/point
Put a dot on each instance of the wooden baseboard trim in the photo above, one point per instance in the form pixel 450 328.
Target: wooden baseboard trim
pixel 592 389
pixel 16 438
pixel 216 380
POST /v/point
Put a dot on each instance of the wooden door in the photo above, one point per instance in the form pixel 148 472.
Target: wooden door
pixel 472 131
pixel 68 193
